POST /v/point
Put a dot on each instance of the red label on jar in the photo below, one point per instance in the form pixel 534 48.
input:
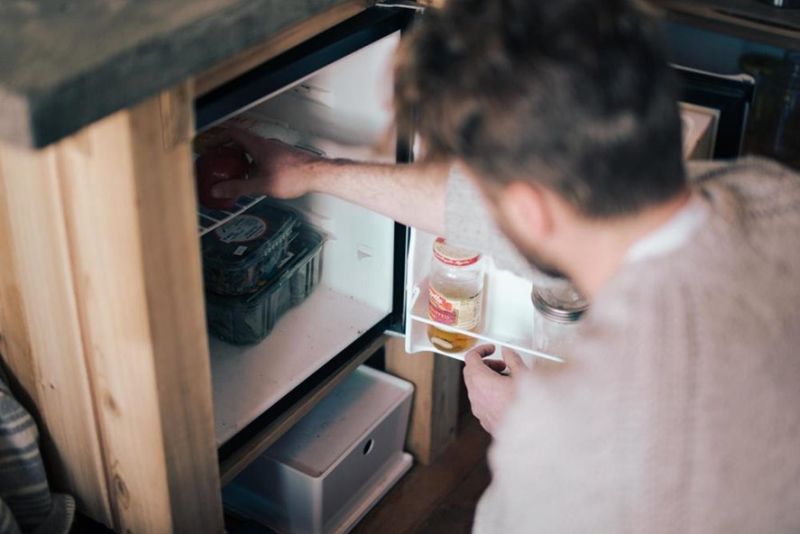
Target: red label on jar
pixel 457 312
pixel 441 316
pixel 454 256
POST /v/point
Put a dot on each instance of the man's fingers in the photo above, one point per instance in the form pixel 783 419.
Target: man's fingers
pixel 513 361
pixel 251 143
pixel 497 366
pixel 482 350
pixel 474 358
pixel 237 188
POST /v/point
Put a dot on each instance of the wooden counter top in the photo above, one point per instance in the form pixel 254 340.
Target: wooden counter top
pixel 67 63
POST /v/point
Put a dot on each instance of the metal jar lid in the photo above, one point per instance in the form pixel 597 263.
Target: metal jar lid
pixel 561 303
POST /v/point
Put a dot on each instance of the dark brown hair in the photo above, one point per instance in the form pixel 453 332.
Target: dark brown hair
pixel 575 94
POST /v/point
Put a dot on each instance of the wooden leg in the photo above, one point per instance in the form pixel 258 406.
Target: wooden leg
pixel 434 414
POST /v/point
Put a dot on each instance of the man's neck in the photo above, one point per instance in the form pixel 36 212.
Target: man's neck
pixel 598 248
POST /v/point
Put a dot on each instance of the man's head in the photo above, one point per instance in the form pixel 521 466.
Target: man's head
pixel 559 110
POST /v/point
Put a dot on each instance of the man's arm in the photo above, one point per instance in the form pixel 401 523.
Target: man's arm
pixel 410 194
pixel 427 196
pixel 413 195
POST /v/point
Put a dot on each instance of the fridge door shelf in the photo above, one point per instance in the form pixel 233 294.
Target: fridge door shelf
pixel 490 331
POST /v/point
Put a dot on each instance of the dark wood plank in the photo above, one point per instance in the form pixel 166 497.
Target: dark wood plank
pixel 456 512
pixel 440 495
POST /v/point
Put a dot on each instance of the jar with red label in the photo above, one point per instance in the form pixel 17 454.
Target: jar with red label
pixel 455 295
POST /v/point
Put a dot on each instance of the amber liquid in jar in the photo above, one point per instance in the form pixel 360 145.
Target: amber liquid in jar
pixel 449 341
pixel 455 296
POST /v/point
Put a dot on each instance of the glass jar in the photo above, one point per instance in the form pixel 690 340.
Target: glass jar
pixel 559 306
pixel 455 295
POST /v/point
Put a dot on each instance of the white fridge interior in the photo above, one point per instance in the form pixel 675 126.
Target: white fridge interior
pixel 342 111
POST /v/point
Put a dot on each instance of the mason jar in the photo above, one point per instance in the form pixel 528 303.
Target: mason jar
pixel 559 306
pixel 455 295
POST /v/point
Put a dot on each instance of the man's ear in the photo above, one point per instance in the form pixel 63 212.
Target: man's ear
pixel 526 212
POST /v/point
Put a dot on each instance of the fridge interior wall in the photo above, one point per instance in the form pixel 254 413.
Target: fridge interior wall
pixel 343 111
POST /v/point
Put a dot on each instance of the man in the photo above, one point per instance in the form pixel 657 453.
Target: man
pixel 679 410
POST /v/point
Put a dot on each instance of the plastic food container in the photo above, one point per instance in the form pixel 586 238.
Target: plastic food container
pixel 240 256
pixel 330 468
pixel 248 319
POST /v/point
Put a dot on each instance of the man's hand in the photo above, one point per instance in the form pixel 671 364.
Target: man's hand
pixel 279 170
pixel 489 391
pixel 413 195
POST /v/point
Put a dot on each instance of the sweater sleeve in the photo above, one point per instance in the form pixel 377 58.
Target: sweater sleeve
pixel 469 223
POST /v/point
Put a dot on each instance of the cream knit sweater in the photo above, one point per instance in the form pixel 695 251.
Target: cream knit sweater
pixel 680 409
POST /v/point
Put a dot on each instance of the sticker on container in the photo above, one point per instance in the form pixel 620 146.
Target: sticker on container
pixel 240 250
pixel 241 229
pixel 462 312
pixel 286 259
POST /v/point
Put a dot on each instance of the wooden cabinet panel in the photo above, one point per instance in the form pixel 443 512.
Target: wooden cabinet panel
pixel 130 213
pixel 104 316
pixel 40 325
pixel 283 41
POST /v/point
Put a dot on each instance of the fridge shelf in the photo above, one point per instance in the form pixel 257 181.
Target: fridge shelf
pixel 210 219
pixel 489 332
pixel 248 380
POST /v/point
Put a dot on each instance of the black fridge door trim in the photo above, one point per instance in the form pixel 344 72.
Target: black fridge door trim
pixel 731 95
pixel 264 81
pixel 404 156
pixel 293 65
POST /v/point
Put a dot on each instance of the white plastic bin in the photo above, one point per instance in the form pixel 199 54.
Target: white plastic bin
pixel 328 471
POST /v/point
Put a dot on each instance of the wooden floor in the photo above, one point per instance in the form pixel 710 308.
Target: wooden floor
pixel 440 497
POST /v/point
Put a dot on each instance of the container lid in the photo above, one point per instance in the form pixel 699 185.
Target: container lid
pixel 306 243
pixel 454 256
pixel 249 237
pixel 559 302
pixel 339 421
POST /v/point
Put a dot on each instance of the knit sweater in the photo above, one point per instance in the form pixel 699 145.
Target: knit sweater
pixel 679 410
pixel 26 504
